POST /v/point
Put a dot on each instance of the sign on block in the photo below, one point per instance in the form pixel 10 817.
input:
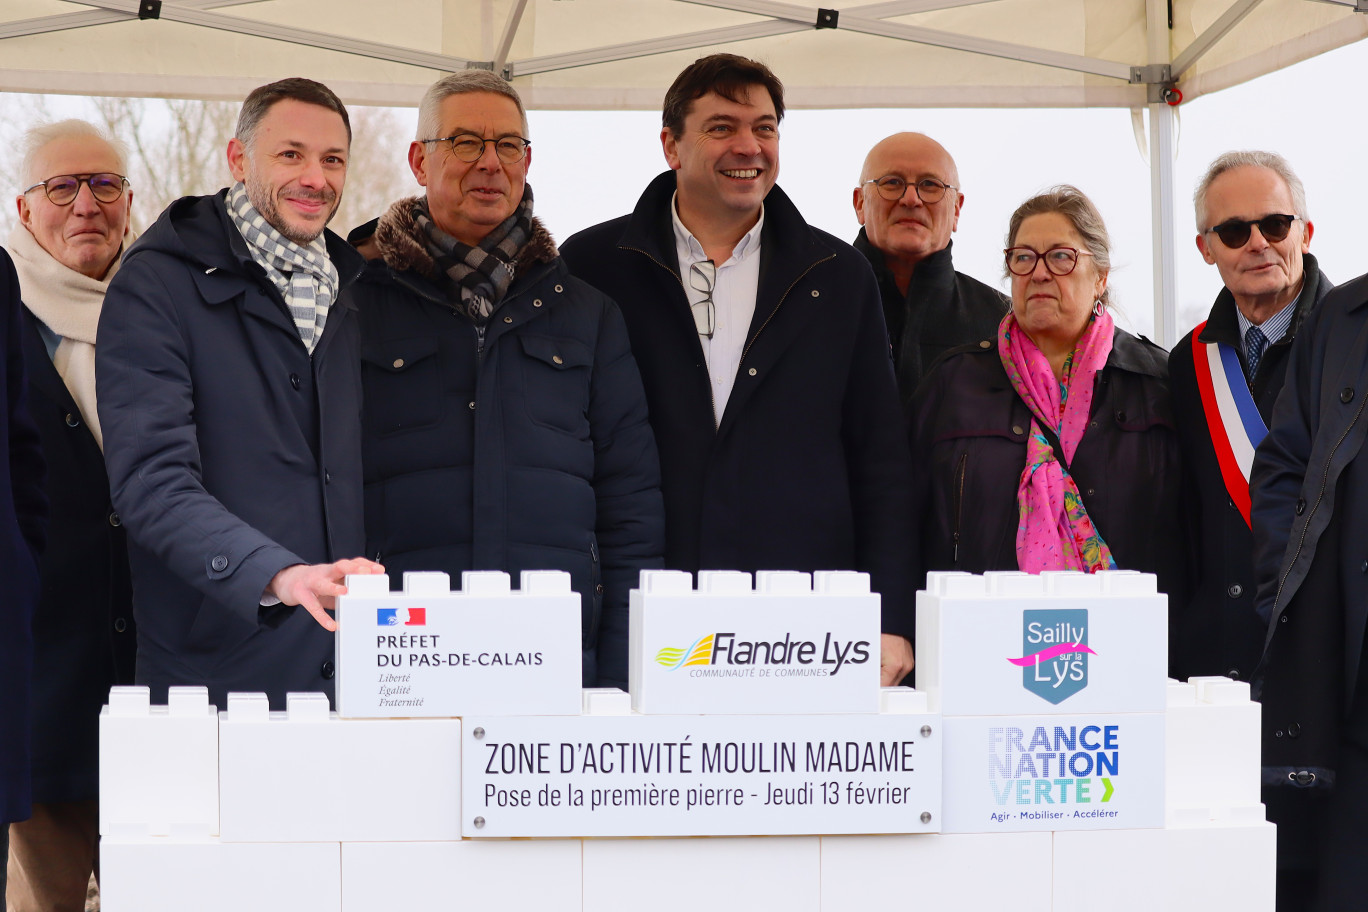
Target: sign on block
pixel 701 776
pixel 1091 772
pixel 1054 642
pixel 793 644
pixel 429 651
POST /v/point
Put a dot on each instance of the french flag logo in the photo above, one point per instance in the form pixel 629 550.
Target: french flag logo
pixel 401 617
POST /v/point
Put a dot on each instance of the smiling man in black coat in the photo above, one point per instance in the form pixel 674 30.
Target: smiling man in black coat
pixel 763 350
pixel 228 375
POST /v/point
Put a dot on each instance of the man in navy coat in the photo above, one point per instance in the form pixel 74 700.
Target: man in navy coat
pixel 228 375
pixel 22 512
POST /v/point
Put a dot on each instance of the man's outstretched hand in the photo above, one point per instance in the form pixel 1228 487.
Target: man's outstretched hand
pixel 315 587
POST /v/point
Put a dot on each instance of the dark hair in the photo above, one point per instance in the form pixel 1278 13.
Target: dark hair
pixel 726 74
pixel 261 99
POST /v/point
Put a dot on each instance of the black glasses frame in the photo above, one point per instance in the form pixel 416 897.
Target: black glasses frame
pixel 1037 257
pixel 888 187
pixel 703 277
pixel 498 149
pixel 87 179
pixel 1235 233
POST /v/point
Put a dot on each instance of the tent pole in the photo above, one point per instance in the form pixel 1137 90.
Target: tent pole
pixel 1161 130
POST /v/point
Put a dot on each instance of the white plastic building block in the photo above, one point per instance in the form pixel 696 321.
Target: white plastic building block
pixel 431 652
pixel 726 875
pixel 783 646
pixel 159 765
pixel 1212 757
pixel 901 701
pixel 980 872
pixel 166 875
pixel 368 584
pixel 607 701
pixel 1232 866
pixel 1115 870
pixel 1014 583
pixel 512 876
pixel 293 777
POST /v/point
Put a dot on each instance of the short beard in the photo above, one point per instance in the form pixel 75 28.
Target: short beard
pixel 259 195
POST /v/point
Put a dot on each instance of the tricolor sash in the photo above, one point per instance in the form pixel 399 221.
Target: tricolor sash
pixel 1232 418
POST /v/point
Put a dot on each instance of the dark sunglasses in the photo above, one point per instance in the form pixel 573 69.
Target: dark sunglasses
pixel 1235 233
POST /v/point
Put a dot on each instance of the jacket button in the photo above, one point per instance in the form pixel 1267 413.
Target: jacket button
pixel 1121 416
pixel 1016 429
pixel 327 477
pixel 1092 424
pixel 219 563
pixel 560 288
pixel 985 344
pixel 1091 491
pixel 1301 505
pixel 1347 395
pixel 558 359
pixel 599 589
pixel 114 520
pixel 816 293
pixel 1278 733
pixel 1235 591
pixel 1293 730
pixel 508 319
pixel 536 302
pixel 120 625
pixel 751 372
pixel 327 671
pixel 471 405
pixel 1283 619
pixel 1233 673
pixel 294 380
pixel 1303 777
pixel 398 363
pixel 72 421
pixel 1364 566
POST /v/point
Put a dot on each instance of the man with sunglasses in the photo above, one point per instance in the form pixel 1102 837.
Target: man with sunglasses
pixel 1253 225
pixel 764 355
pixel 504 421
pixel 908 204
pixel 229 394
pixel 74 209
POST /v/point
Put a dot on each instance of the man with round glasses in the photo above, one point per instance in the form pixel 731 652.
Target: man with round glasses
pixel 74 209
pixel 1226 374
pixel 504 422
pixel 908 204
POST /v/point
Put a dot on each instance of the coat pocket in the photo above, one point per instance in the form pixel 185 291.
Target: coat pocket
pixel 556 375
pixel 400 385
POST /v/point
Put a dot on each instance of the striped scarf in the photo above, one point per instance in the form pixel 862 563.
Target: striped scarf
pixel 305 276
pixel 477 276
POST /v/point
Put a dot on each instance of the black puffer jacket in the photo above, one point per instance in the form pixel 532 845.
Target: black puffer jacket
pixel 969 431
pixel 527 449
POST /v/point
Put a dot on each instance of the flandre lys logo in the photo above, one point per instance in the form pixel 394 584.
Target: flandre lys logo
pixel 401 617
pixel 724 649
pixel 1054 661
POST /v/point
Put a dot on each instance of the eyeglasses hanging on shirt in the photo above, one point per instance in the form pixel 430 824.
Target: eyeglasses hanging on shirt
pixel 703 278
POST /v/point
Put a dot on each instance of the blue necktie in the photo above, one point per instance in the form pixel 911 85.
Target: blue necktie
pixel 1255 343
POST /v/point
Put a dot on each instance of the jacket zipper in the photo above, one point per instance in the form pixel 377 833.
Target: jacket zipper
pixel 1320 495
pixel 959 506
pixel 782 298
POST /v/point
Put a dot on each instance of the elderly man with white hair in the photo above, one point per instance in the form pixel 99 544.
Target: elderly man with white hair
pixel 74 209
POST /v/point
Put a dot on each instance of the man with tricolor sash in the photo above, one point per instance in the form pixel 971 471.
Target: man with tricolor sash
pixel 1253 225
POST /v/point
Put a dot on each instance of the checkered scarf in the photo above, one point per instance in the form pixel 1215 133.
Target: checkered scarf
pixel 481 275
pixel 305 276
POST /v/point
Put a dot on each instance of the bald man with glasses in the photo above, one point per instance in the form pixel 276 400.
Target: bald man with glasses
pixel 908 204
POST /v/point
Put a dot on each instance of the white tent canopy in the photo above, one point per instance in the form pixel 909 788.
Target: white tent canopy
pixel 617 54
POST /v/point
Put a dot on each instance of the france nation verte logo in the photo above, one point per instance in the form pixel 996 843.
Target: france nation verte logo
pixel 1054 652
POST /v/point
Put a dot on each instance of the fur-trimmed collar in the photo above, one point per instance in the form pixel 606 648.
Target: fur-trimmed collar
pixel 399 242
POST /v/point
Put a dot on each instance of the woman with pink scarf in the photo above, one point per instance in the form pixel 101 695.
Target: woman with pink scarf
pixel 1052 445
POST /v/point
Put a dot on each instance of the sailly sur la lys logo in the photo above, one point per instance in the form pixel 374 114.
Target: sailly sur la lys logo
pixel 1054 660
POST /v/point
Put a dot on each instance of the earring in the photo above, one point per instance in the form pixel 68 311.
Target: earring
pixel 1098 307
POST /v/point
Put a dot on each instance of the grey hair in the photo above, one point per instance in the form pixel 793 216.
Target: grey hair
pixel 464 82
pixel 40 137
pixel 1075 206
pixel 1229 161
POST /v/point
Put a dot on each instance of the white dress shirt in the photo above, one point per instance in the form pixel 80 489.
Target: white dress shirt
pixel 734 291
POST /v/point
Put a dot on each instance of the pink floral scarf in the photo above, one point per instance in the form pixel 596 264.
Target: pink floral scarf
pixel 1054 531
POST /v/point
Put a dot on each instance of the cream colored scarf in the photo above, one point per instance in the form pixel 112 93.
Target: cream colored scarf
pixel 69 304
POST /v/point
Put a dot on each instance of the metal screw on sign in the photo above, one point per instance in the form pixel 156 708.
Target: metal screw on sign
pixel 478 733
pixel 479 822
pixel 925 817
pixel 925 731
